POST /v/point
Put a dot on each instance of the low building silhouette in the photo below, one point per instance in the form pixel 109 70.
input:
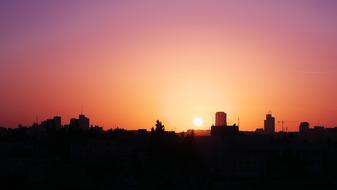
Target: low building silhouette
pixel 259 131
pixel 82 123
pixel 74 123
pixel 55 123
pixel 304 127
pixel 198 132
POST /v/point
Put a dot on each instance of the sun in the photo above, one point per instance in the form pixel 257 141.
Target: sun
pixel 197 121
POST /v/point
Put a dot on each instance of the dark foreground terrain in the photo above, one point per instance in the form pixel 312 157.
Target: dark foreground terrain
pixel 122 160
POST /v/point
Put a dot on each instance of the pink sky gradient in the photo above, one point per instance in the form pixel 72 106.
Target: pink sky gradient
pixel 128 63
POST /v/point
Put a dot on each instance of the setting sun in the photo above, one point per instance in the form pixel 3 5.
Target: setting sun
pixel 198 122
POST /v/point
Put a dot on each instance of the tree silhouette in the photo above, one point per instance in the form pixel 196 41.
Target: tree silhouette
pixel 160 128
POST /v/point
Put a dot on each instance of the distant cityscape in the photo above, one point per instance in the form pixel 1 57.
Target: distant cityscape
pixel 79 154
pixel 219 128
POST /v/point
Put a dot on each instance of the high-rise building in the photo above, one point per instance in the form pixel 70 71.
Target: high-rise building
pixel 269 124
pixel 84 122
pixel 221 128
pixel 220 119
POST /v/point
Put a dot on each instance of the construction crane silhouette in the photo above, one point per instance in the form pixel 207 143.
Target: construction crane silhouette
pixel 285 129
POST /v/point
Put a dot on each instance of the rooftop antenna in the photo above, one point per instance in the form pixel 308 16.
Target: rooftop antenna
pixel 238 121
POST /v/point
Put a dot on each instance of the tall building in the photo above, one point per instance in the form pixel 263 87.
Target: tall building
pixel 221 128
pixel 83 122
pixel 269 124
pixel 220 119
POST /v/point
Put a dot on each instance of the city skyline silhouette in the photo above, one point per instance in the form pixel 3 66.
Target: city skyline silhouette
pixel 179 60
pixel 175 94
pixel 270 126
pixel 219 120
pixel 80 155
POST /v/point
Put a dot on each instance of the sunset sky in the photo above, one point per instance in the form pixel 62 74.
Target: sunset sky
pixel 126 63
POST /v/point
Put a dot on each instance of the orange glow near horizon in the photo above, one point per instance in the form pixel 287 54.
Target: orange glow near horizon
pixel 128 65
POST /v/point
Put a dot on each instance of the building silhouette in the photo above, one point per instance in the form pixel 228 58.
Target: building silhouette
pixel 55 123
pixel 74 123
pixel 304 127
pixel 84 122
pixel 221 128
pixel 220 119
pixel 259 131
pixel 269 124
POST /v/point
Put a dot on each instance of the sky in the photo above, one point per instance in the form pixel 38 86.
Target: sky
pixel 127 63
